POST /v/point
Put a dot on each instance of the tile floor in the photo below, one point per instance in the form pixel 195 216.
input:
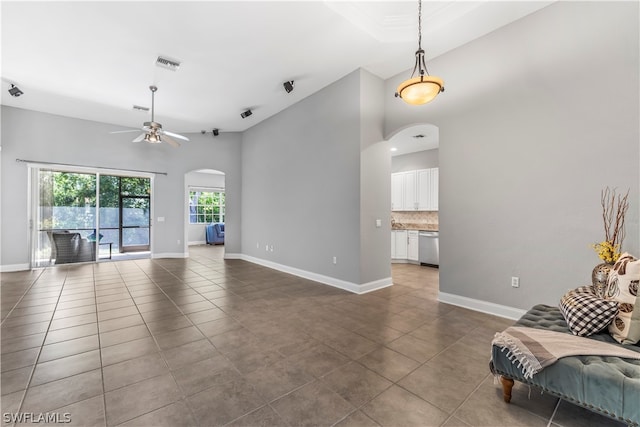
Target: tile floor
pixel 207 342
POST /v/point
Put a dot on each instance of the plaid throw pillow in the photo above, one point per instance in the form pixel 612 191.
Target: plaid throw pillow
pixel 585 313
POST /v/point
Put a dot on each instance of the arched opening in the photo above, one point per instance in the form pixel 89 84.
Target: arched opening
pixel 205 209
pixel 414 197
pixel 405 141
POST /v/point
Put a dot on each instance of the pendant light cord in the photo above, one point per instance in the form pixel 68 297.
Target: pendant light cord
pixel 419 24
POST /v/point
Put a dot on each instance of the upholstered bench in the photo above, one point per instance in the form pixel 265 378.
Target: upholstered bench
pixel 608 385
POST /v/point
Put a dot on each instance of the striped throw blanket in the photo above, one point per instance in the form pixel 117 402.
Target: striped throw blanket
pixel 534 349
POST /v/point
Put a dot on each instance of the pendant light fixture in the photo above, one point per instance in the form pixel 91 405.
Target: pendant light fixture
pixel 424 88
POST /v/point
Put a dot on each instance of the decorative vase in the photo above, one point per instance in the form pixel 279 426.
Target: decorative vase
pixel 599 277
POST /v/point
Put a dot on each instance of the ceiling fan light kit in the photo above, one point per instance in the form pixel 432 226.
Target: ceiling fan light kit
pixel 153 132
pixel 152 138
pixel 424 88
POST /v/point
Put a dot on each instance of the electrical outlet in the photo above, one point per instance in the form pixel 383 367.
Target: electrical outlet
pixel 515 282
pixel 335 259
pixel 266 248
pixel 270 248
pixel 257 245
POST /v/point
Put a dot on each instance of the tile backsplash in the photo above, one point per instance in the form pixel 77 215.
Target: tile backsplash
pixel 415 217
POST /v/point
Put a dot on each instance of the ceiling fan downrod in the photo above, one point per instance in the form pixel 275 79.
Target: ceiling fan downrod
pixel 153 98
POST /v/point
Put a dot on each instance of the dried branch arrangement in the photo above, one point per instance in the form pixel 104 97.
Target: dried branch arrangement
pixel 614 210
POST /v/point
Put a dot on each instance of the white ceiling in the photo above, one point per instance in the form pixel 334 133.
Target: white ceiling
pixel 415 138
pixel 95 60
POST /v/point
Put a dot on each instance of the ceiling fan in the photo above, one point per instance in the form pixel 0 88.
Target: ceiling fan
pixel 153 132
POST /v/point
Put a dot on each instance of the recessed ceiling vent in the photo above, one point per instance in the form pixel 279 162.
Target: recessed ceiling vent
pixel 418 136
pixel 168 63
pixel 139 108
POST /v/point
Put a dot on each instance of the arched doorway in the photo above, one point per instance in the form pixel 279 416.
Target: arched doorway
pixel 205 205
pixel 414 195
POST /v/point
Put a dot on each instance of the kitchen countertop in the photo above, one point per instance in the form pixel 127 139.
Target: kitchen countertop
pixel 414 226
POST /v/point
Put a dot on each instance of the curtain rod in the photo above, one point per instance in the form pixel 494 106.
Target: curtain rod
pixel 92 167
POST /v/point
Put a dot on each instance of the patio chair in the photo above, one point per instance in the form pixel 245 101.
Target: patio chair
pixel 86 250
pixel 66 246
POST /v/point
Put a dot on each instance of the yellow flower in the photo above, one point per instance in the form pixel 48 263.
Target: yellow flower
pixel 607 252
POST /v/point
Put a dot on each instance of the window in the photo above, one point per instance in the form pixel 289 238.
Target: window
pixel 66 202
pixel 206 207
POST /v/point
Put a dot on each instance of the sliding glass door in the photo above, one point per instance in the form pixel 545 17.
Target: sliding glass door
pixel 65 217
pixel 83 217
pixel 125 212
pixel 135 211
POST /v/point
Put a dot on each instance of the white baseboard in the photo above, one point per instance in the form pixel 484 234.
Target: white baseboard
pixel 170 255
pixel 375 285
pixel 331 281
pixel 482 306
pixel 13 267
pixel 199 242
pixel 228 255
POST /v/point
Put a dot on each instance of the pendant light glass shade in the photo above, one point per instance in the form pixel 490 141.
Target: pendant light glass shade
pixel 420 90
pixel 424 88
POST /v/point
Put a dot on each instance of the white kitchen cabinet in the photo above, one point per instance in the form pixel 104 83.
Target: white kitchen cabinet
pixel 403 191
pixel 410 199
pixel 415 190
pixel 428 189
pixel 424 177
pixel 412 245
pixel 399 244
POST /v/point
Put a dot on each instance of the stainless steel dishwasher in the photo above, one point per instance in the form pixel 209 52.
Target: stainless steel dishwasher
pixel 428 249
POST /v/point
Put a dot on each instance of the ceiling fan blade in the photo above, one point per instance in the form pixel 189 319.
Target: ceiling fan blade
pixel 125 131
pixel 171 141
pixel 139 138
pixel 175 135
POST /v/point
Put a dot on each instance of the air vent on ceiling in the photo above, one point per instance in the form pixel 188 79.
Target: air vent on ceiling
pixel 139 108
pixel 418 136
pixel 168 63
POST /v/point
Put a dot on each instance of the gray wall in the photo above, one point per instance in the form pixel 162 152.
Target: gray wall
pixel 44 137
pixel 420 160
pixel 375 184
pixel 301 181
pixel 522 164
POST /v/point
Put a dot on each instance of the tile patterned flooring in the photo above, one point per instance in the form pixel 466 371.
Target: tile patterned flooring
pixel 206 342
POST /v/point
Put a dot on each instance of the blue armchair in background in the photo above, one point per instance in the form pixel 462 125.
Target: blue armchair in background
pixel 215 233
